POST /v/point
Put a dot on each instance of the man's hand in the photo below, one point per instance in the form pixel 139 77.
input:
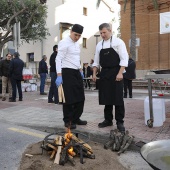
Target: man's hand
pixel 59 81
pixel 94 77
pixel 119 77
pixel 82 75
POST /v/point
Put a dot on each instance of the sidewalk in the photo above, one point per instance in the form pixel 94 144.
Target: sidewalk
pixel 34 111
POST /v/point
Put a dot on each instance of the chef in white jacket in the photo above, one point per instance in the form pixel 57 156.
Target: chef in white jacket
pixel 70 75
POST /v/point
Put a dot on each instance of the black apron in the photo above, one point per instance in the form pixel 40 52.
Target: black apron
pixel 72 86
pixel 110 90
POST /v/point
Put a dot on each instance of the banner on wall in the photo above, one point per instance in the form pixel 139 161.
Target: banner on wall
pixel 164 22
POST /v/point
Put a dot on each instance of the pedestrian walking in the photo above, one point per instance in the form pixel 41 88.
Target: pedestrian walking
pixel 16 67
pixel 111 54
pixel 53 92
pixel 70 75
pixel 43 71
pixel 128 76
pixel 5 73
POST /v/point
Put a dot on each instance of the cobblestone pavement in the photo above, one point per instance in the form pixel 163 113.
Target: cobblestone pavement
pixel 34 111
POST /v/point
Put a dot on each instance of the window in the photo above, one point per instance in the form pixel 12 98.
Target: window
pixel 30 57
pixel 84 42
pixel 65 29
pixel 84 11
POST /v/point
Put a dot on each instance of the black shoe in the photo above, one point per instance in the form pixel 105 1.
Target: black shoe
pixel 130 96
pixel 81 122
pixel 50 102
pixel 12 100
pixel 43 93
pixel 121 127
pixel 105 123
pixel 20 100
pixel 72 126
pixel 125 96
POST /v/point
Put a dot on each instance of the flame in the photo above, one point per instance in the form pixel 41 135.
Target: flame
pixel 71 152
pixel 68 137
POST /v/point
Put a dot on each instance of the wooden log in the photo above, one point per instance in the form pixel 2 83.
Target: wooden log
pixel 70 158
pixel 59 94
pixel 53 154
pixel 62 93
pixel 28 155
pixel 51 146
pixel 85 145
pixel 50 152
pixel 57 157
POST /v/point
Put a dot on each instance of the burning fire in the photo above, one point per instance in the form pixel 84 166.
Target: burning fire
pixel 67 138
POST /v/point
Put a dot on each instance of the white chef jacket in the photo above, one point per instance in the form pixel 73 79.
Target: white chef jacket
pixel 118 45
pixel 68 55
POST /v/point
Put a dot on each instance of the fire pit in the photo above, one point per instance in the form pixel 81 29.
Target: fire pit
pixel 64 146
pixel 157 154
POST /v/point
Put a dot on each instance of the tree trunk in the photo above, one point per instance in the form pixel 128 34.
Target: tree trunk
pixel 133 31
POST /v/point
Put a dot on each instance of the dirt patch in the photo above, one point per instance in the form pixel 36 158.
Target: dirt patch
pixel 105 160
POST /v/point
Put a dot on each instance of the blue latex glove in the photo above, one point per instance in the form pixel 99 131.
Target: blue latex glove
pixel 82 75
pixel 59 81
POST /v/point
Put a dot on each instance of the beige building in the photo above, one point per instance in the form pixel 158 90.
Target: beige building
pixel 62 14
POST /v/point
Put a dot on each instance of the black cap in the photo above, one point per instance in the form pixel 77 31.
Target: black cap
pixel 16 54
pixel 77 28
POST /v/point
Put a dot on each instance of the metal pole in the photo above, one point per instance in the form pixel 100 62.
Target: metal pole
pixel 150 99
pixel 15 36
pixel 18 35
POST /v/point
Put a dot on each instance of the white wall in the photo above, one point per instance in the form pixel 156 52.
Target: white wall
pixel 72 12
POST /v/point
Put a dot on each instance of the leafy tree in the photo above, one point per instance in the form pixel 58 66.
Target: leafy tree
pixel 32 17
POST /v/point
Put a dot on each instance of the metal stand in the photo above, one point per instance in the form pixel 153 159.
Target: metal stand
pixel 149 78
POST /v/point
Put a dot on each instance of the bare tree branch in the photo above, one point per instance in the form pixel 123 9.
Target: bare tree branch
pixel 13 10
pixel 9 21
pixel 6 34
pixel 4 22
pixel 9 38
pixel 29 21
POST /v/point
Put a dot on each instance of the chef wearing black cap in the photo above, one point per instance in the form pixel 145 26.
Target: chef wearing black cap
pixel 70 75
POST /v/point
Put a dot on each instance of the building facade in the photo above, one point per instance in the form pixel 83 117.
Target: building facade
pixel 153 48
pixel 62 14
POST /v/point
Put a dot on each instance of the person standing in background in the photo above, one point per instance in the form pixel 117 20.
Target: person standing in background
pixel 16 67
pixel 43 71
pixel 70 75
pixel 87 73
pixel 6 81
pixel 53 92
pixel 91 64
pixel 111 54
pixel 128 76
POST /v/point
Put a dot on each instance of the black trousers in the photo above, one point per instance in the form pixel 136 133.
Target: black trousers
pixel 87 82
pixel 53 92
pixel 72 112
pixel 119 113
pixel 127 86
pixel 16 84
